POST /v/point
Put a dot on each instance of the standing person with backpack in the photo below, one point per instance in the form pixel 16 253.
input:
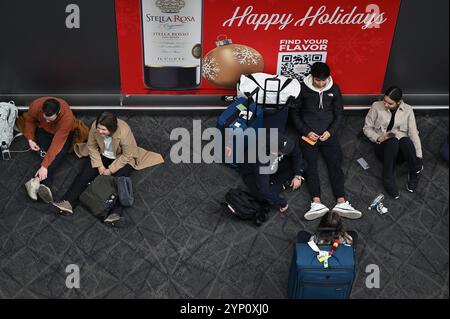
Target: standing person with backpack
pixel 49 129
pixel 317 118
pixel 111 149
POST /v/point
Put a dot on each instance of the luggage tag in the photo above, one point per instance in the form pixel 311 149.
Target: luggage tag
pixel 324 260
pixel 244 115
pixel 241 107
pixel 322 255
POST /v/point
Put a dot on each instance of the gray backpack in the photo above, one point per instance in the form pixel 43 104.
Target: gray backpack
pixel 125 190
pixel 8 116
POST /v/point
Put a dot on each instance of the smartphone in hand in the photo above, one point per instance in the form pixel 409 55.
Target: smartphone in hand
pixel 361 161
pixel 308 140
pixel 390 135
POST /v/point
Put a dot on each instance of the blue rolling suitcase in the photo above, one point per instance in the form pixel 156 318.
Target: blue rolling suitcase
pixel 236 116
pixel 308 279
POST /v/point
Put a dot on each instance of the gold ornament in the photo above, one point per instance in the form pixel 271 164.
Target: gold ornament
pixel 224 65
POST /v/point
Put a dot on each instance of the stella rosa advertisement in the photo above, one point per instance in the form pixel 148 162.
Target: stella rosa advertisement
pixel 204 46
pixel 169 38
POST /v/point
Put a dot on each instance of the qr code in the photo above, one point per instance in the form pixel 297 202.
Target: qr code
pixel 298 64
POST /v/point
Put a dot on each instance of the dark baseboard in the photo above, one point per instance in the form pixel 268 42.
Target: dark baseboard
pixel 202 103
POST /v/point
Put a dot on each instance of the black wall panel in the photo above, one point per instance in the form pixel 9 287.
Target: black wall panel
pixel 419 55
pixel 39 55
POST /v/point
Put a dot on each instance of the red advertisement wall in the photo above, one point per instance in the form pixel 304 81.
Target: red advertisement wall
pixel 273 36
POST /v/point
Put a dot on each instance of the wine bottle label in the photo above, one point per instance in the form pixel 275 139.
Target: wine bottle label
pixel 172 32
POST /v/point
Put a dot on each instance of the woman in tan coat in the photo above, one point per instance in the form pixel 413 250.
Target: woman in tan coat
pixel 391 124
pixel 112 150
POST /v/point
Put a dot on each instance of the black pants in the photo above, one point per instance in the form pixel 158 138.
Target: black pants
pixel 87 175
pixel 284 175
pixel 395 151
pixel 44 140
pixel 303 237
pixel 276 119
pixel 332 153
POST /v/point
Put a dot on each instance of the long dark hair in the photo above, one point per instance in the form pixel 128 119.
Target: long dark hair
pixel 108 120
pixel 330 228
pixel 394 93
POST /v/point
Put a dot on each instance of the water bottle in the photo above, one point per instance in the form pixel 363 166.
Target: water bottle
pixel 377 204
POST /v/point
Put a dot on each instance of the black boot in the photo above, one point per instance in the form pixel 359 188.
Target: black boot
pixel 413 181
pixel 392 189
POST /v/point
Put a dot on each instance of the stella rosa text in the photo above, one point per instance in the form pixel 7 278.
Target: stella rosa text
pixel 170 19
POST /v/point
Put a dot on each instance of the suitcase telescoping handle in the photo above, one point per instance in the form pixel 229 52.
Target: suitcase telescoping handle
pixel 278 91
pixel 249 98
pixel 266 90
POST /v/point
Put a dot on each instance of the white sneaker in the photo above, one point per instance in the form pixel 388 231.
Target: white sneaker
pixel 317 210
pixel 347 211
pixel 65 208
pixel 112 218
pixel 32 187
pixel 420 170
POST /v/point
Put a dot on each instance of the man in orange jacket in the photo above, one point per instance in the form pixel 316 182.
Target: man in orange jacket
pixel 49 129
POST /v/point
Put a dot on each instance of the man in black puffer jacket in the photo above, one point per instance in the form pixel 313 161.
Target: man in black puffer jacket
pixel 317 116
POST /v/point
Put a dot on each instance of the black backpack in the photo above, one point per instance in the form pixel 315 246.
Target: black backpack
pixel 243 205
pixel 100 196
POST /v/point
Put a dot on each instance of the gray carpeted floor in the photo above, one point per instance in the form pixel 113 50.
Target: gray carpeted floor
pixel 181 244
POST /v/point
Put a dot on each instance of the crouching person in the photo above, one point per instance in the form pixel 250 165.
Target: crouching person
pixel 112 150
pixel 267 183
pixel 49 129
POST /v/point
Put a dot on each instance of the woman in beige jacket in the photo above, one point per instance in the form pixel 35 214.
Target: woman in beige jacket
pixel 112 150
pixel 391 124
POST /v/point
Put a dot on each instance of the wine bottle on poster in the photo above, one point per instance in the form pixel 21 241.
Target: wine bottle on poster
pixel 172 43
